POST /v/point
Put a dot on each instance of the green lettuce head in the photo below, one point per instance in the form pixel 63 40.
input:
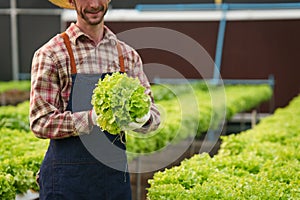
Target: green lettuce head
pixel 119 100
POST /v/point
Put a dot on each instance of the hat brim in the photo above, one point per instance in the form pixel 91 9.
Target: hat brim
pixel 63 4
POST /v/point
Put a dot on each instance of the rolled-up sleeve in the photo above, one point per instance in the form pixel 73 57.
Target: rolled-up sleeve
pixel 48 118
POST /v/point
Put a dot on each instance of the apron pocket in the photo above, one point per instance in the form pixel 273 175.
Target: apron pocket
pixel 78 180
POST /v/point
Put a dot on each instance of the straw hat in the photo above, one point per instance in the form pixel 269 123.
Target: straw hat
pixel 63 3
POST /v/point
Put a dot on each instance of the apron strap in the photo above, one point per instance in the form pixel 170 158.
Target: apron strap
pixel 72 59
pixel 70 52
pixel 121 58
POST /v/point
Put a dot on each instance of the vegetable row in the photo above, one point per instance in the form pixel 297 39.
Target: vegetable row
pixel 194 113
pixel 14 85
pixel 260 163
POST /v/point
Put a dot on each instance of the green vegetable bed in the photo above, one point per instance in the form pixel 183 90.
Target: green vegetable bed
pixel 195 112
pixel 261 163
pixel 21 153
pixel 14 85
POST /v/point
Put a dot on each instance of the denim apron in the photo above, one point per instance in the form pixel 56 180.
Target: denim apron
pixel 92 166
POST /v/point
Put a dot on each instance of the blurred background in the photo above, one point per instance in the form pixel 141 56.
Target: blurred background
pixel 248 40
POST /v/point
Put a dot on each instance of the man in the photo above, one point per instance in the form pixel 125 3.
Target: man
pixel 82 162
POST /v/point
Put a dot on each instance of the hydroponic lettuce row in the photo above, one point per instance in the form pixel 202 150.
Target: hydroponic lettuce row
pixel 119 100
pixel 262 163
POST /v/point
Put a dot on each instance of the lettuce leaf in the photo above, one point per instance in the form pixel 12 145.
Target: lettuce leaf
pixel 119 100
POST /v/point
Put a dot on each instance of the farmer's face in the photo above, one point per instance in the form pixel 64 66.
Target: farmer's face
pixel 91 11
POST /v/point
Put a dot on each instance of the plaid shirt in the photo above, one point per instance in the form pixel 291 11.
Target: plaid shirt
pixel 51 81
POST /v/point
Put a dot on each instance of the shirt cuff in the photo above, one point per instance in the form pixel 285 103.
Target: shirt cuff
pixel 82 122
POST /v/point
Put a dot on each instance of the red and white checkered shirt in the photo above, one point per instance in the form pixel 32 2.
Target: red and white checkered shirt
pixel 51 81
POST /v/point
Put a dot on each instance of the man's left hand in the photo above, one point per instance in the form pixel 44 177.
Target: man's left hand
pixel 138 123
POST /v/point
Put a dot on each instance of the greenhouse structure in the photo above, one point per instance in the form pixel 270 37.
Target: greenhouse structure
pixel 224 74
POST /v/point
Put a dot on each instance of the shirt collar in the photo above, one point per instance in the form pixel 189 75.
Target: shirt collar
pixel 75 33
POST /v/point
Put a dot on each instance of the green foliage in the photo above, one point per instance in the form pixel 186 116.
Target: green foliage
pixel 186 114
pixel 261 163
pixel 240 101
pixel 15 117
pixel 17 146
pixel 119 100
pixel 193 112
pixel 7 191
pixel 14 85
pixel 21 154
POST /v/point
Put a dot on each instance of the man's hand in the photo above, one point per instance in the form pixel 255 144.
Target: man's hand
pixel 139 122
pixel 93 116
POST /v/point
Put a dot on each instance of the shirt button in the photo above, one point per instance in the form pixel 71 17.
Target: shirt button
pixel 113 42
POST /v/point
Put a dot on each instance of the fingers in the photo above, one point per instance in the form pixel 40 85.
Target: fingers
pixel 93 116
pixel 134 125
pixel 139 122
pixel 144 119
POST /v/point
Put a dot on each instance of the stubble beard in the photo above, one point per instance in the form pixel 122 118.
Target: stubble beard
pixel 83 15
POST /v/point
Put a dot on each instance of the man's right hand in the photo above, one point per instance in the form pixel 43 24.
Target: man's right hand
pixel 93 116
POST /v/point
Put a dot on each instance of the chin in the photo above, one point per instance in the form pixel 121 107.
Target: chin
pixel 94 23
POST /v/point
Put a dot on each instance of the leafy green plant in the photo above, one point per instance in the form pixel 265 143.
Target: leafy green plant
pixel 260 163
pixel 21 154
pixel 15 117
pixel 119 100
pixel 239 101
pixel 7 190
